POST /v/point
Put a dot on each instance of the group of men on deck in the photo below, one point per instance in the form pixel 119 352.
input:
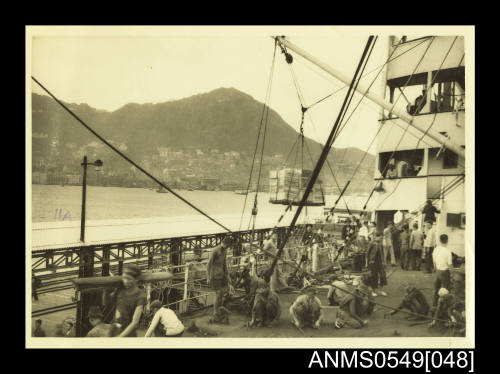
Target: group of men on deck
pixel 129 301
pixel 354 299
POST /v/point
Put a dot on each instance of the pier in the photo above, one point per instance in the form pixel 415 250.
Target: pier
pixel 56 267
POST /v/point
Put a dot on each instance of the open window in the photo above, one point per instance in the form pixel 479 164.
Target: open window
pixel 401 164
pixel 450 159
pixel 446 92
pixel 447 97
pixel 441 160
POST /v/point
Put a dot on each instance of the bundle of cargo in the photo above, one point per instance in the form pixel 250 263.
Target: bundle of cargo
pixel 288 185
pixel 273 185
pixel 289 178
pixel 316 196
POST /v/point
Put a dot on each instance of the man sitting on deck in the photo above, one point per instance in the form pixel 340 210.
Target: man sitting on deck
pixel 414 301
pixel 450 309
pixel 165 322
pixel 250 283
pixel 348 314
pixel 100 328
pixel 306 310
pixel 266 308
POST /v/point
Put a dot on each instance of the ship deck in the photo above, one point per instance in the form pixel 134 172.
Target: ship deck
pixel 378 326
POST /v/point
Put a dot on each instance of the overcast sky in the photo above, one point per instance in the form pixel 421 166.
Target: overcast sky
pixel 110 67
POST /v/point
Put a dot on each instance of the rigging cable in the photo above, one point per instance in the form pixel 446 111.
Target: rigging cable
pixel 342 125
pixel 382 125
pixel 319 165
pixel 371 71
pixel 361 99
pixel 128 159
pixel 258 136
pixel 304 109
pixel 268 103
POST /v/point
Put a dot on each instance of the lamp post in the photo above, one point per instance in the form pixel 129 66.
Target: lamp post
pixel 98 165
pixel 86 266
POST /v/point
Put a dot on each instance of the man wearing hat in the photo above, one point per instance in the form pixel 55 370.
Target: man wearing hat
pixel 130 301
pixel 100 328
pixel 306 310
pixel 218 276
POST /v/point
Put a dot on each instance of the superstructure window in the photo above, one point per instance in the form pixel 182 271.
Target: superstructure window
pixel 450 160
pixel 401 164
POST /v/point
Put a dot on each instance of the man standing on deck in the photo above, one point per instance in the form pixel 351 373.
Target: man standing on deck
pixel 38 331
pixel 429 244
pixel 35 284
pixel 442 260
pixel 416 245
pixel 130 301
pixel 218 276
pixel 387 242
pixel 429 211
pixel 277 282
pixel 363 236
pixel 404 244
pixel 376 265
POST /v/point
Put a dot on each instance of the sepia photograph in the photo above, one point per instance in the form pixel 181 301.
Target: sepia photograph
pixel 249 186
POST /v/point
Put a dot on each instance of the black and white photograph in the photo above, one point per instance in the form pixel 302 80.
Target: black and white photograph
pixel 250 186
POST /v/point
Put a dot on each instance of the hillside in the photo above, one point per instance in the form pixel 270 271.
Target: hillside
pixel 225 119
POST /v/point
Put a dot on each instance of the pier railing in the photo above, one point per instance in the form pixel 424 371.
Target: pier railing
pixel 179 255
pixel 65 261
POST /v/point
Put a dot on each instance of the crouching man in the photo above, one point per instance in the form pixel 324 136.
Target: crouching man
pixel 266 309
pixel 306 310
pixel 350 306
pixel 450 313
pixel 165 322
pixel 414 301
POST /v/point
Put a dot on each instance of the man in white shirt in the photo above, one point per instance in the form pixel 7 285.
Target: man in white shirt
pixel 429 244
pixel 363 236
pixel 165 322
pixel 442 259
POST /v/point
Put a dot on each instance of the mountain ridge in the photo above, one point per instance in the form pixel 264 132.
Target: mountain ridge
pixel 224 119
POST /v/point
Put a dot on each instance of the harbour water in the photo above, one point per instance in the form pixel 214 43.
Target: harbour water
pixel 116 213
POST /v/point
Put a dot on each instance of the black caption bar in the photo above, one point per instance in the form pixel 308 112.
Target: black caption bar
pixel 421 360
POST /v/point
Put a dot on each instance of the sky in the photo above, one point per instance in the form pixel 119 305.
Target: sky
pixel 110 67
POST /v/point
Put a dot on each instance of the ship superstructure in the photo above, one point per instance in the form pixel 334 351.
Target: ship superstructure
pixel 411 167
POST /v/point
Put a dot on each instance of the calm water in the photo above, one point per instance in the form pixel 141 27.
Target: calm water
pixel 56 203
pixel 118 214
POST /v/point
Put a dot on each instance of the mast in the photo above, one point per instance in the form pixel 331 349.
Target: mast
pixel 415 122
